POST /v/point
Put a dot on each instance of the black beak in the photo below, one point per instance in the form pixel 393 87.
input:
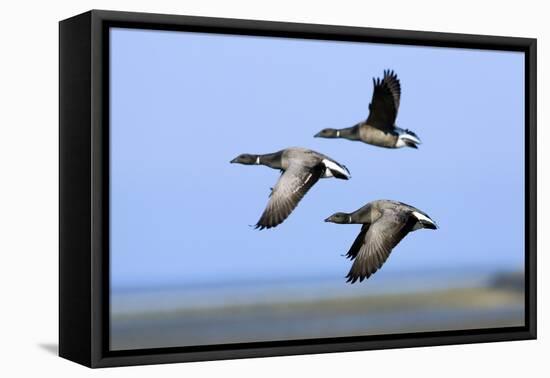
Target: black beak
pixel 328 219
pixel 317 135
pixel 233 161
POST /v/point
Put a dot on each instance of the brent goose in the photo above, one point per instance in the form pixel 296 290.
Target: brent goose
pixel 379 129
pixel 301 169
pixel 385 224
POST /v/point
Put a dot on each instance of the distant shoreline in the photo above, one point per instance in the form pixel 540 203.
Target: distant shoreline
pixel 449 309
pixel 216 297
pixel 448 298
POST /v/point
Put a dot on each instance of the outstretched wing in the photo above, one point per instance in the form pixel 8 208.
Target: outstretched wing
pixel 385 102
pixel 289 190
pixel 378 241
pixel 359 240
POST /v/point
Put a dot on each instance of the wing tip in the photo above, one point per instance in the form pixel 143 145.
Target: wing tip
pixel 390 73
pixel 263 226
pixel 354 277
pixel 266 222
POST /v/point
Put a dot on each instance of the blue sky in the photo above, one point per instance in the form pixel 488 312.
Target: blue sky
pixel 184 104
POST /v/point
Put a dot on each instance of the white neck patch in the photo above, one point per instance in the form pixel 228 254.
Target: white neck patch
pixel 257 160
pixel 337 133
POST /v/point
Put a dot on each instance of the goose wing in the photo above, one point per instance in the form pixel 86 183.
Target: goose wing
pixel 385 102
pixel 289 190
pixel 358 243
pixel 372 250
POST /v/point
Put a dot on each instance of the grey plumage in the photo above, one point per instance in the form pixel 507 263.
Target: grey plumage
pixel 379 128
pixel 385 224
pixel 301 169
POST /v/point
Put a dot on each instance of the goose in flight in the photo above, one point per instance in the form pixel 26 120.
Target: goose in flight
pixel 301 169
pixel 385 224
pixel 379 129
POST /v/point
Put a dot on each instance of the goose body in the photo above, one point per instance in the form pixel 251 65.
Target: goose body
pixel 379 128
pixel 384 224
pixel 301 169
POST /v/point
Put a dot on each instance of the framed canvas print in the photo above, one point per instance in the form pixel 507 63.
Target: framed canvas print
pixel 234 188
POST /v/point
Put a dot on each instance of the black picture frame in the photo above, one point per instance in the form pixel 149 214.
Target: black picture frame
pixel 84 183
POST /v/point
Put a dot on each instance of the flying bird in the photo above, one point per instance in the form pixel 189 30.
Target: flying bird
pixel 379 129
pixel 385 224
pixel 301 169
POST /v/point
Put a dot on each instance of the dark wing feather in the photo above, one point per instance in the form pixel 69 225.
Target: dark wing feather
pixel 382 236
pixel 392 82
pixel 356 246
pixel 385 102
pixel 293 184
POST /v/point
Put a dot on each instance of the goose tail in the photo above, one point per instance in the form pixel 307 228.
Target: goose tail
pixel 424 221
pixel 407 138
pixel 337 170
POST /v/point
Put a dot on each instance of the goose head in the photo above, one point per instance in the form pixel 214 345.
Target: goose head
pixel 327 133
pixel 247 159
pixel 339 218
